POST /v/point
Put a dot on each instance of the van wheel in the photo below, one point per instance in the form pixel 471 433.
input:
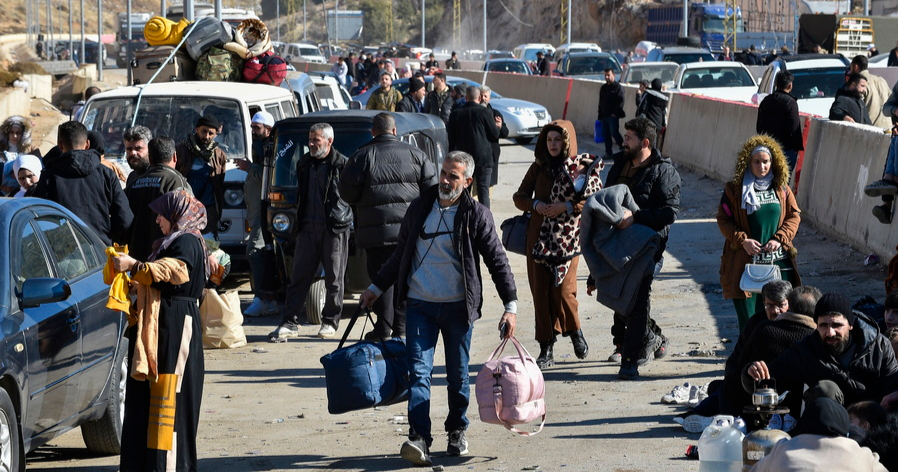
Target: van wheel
pixel 12 457
pixel 104 435
pixel 523 141
pixel 315 301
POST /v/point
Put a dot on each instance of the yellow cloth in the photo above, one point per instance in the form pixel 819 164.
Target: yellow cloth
pixel 118 281
pixel 160 31
pixel 144 364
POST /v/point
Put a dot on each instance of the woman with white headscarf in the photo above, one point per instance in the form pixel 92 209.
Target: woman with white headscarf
pixel 27 169
pixel 759 217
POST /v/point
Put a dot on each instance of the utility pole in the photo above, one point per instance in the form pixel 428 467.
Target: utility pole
pixel 456 23
pixel 128 45
pixel 565 21
pixel 423 43
pixel 71 41
pixel 81 56
pixel 100 40
pixel 484 28
pixel 277 13
pixel 304 28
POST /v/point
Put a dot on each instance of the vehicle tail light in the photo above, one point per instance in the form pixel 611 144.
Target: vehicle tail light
pixel 276 197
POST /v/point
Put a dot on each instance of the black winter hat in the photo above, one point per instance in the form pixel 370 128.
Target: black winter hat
pixel 97 142
pixel 834 303
pixel 208 120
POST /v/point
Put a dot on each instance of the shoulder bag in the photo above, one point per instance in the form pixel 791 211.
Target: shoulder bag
pixel 756 275
pixel 514 233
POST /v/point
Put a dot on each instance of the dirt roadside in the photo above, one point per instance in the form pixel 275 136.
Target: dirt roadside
pixel 264 406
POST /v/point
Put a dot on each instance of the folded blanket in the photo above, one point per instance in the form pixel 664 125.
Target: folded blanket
pixel 251 39
pixel 160 31
pixel 618 259
pixel 144 364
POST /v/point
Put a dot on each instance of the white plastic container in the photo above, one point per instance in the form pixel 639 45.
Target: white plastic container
pixel 720 447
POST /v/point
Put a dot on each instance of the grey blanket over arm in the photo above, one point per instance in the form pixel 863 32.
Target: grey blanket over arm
pixel 618 259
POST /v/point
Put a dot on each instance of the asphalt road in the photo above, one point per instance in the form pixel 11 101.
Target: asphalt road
pixel 264 406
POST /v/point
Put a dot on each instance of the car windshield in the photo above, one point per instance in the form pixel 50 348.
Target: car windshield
pixel 290 146
pixel 689 57
pixel 817 83
pixel 513 67
pixel 309 52
pixel 174 117
pixel 591 65
pixel 716 77
pixel 530 54
pixel 715 24
pixel 325 92
pixel 650 73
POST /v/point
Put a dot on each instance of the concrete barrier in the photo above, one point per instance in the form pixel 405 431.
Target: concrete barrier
pixel 40 86
pixel 888 73
pixel 14 101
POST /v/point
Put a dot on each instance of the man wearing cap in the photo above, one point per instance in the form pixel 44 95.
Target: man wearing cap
pixel 202 162
pixel 542 64
pixel 259 246
pixel 413 102
pixel 452 62
pixel 432 63
pixel 386 97
pixel 846 358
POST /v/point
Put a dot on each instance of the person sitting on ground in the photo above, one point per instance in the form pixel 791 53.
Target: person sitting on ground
pixel 820 442
pixel 883 440
pixel 866 415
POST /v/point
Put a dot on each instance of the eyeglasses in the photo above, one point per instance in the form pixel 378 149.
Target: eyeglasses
pixel 772 305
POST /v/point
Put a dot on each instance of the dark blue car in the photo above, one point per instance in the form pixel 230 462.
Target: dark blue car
pixel 63 361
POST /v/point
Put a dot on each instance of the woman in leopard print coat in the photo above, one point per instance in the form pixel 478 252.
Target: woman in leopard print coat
pixel 554 190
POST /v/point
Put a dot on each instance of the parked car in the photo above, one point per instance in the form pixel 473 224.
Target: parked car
pixel 496 54
pixel 302 52
pixel 680 55
pixel 528 51
pixel 352 129
pixel 587 65
pixel 524 119
pixel 817 78
pixel 64 353
pixel 331 94
pixel 649 71
pixel 575 47
pixel 510 66
pixel 172 109
pixel 720 79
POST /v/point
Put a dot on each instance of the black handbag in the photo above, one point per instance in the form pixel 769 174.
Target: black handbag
pixel 366 374
pixel 514 233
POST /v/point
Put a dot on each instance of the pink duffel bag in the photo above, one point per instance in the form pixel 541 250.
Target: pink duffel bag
pixel 511 390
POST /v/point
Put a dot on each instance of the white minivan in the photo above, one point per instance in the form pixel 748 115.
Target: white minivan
pixel 292 52
pixel 172 109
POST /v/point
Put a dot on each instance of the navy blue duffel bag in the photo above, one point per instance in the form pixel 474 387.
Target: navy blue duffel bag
pixel 366 374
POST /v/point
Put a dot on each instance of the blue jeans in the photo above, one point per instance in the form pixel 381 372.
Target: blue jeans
pixel 891 166
pixel 424 322
pixel 611 129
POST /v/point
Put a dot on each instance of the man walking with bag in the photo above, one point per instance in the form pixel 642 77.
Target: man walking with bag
pixel 436 269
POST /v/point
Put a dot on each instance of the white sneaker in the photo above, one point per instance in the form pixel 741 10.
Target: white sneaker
pixel 327 331
pixel 789 423
pixel 697 393
pixel 776 422
pixel 678 396
pixel 282 333
pixel 256 308
pixel 697 423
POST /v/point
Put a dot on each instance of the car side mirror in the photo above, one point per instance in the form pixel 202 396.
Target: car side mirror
pixel 355 105
pixel 40 290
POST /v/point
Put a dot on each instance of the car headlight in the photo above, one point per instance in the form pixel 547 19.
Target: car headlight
pixel 280 222
pixel 520 111
pixel 233 196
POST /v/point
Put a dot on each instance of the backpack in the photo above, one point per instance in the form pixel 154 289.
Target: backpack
pixel 266 68
pixel 219 65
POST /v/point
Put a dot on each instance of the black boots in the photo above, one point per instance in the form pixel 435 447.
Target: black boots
pixel 581 349
pixel 545 358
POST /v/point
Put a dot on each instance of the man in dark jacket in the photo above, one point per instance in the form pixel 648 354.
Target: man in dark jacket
pixel 849 103
pixel 323 219
pixel 452 63
pixel 653 106
pixel 439 100
pixel 136 140
pixel 157 180
pixel 655 185
pixel 847 352
pixel 203 163
pixel 893 56
pixel 778 117
pixel 542 64
pixel 485 97
pixel 472 129
pixel 413 101
pixel 436 268
pixel 611 110
pixel 380 181
pixel 78 181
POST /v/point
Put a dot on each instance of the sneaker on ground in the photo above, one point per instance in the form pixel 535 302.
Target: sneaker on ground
pixel 458 445
pixel 616 355
pixel 880 188
pixel 415 450
pixel 776 422
pixel 283 332
pixel 257 308
pixel 789 423
pixel 661 352
pixel 326 331
pixel 679 395
pixel 696 423
pixel 697 393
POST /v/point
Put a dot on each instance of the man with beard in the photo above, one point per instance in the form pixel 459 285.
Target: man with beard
pixel 386 97
pixel 611 110
pixel 203 164
pixel 136 139
pixel 413 101
pixel 846 357
pixel 159 178
pixel 472 129
pixel 436 270
pixel 381 179
pixel 323 237
pixel 439 100
pixel 259 246
pixel 655 185
pixel 849 103
pixel 486 94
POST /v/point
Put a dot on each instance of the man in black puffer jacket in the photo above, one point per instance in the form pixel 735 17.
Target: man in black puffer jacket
pixel 78 181
pixel 380 181
pixel 323 219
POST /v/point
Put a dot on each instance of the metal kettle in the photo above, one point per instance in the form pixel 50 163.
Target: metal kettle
pixel 767 396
